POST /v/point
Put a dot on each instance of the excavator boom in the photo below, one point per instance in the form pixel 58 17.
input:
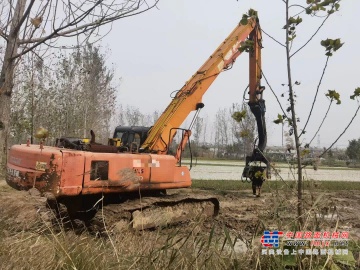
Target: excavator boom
pixel 189 97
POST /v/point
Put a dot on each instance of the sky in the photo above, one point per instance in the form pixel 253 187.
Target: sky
pixel 156 52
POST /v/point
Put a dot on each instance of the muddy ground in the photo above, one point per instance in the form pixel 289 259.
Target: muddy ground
pixel 242 214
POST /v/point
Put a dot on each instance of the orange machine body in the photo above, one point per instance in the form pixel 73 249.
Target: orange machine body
pixel 66 172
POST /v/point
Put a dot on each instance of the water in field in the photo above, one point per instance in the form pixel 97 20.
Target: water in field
pixel 232 170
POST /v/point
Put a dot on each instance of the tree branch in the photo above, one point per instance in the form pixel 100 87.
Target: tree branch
pixel 317 91
pixel 3 35
pixel 83 28
pixel 352 119
pixel 273 92
pixel 23 18
pixel 322 122
pixel 272 38
pixel 317 30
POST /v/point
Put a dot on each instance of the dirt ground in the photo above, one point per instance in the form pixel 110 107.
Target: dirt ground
pixel 242 214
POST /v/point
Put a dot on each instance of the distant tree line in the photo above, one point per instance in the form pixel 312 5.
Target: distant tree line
pixel 76 94
pixel 353 150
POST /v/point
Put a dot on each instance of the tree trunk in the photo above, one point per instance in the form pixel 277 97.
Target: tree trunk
pixel 294 125
pixel 7 79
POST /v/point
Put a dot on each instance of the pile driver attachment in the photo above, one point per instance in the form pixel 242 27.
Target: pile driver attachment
pixel 257 166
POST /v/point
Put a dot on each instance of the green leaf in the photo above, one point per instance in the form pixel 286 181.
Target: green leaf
pixel 325 43
pixel 356 93
pixel 332 94
pixel 239 116
pixel 252 13
pixel 244 21
pixel 291 38
pixel 304 152
pixel 279 120
pixel 331 45
pixel 247 46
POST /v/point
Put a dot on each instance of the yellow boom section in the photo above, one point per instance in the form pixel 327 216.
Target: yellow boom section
pixel 187 98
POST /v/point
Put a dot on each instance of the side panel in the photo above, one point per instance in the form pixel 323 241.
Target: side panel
pixel 119 172
pixel 182 176
pixel 116 173
pixel 72 172
pixel 65 172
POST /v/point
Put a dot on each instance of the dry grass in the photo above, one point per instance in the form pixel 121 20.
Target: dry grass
pixel 41 244
pixel 170 249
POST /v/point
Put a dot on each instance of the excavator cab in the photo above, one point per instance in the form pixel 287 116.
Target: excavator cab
pixel 129 138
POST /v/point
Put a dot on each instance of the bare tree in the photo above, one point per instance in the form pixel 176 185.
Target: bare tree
pixel 25 25
pixel 198 129
pixel 243 127
pixel 76 95
pixel 222 129
pixel 133 116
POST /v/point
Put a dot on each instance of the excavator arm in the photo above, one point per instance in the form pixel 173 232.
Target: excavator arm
pixel 189 97
pixel 257 166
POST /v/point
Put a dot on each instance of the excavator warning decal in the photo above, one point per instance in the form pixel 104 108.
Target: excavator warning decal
pixel 40 166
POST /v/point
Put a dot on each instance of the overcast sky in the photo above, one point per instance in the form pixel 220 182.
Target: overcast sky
pixel 156 52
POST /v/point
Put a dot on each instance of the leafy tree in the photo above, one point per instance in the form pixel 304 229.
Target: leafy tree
pixel 353 149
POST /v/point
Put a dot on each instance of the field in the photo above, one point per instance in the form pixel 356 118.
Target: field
pixel 30 240
pixel 231 170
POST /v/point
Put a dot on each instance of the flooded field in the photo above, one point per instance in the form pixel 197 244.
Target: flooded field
pixel 232 170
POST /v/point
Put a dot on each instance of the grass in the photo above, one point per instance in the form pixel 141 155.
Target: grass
pixel 162 249
pixel 224 185
pixel 40 245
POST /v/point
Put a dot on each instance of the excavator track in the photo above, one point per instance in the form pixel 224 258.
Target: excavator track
pixel 119 212
pixel 152 212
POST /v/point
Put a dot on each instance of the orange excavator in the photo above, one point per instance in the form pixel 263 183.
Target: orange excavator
pixel 136 160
